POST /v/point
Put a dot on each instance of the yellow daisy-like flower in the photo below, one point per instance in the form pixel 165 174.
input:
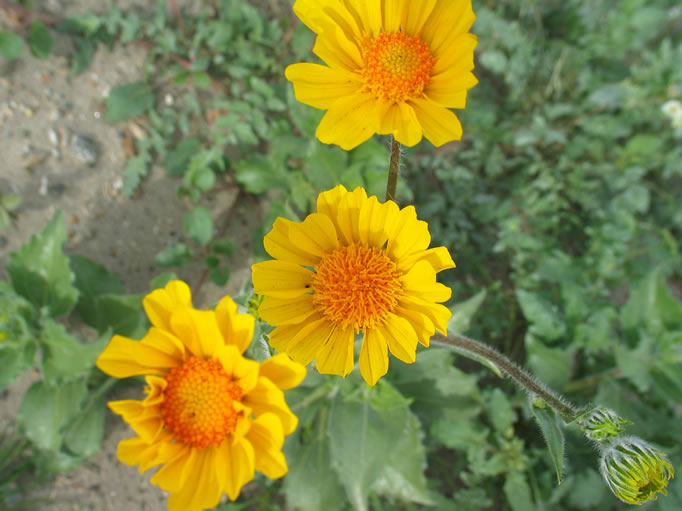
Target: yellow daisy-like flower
pixel 354 266
pixel 211 417
pixel 393 67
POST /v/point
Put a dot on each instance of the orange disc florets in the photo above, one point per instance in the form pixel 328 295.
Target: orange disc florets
pixel 396 66
pixel 356 286
pixel 198 403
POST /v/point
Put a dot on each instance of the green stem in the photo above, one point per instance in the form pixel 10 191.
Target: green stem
pixel 521 377
pixel 393 167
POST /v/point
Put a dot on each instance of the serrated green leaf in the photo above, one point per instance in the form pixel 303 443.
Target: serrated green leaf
pixel 223 246
pixel 554 366
pixel 517 491
pixel 173 255
pixel 198 225
pixel 551 427
pixel 136 168
pixel 126 101
pixel 11 45
pixel 83 54
pixel 45 410
pixel 92 280
pixel 652 305
pixel 65 358
pixel 257 175
pixel 177 161
pixel 501 413
pixel 403 476
pixel 310 485
pixel 462 312
pixel 220 276
pixel 121 314
pixel 39 40
pixel 84 435
pixel 360 436
pixel 543 317
pixel 162 279
pixel 40 271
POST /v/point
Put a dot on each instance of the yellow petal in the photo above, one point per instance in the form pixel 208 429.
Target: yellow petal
pixel 395 13
pixel 280 336
pixel 438 314
pixel 235 466
pixel 336 49
pixel 408 236
pixel 198 330
pixel 155 388
pixel 438 257
pixel 400 338
pixel 457 57
pixel 135 451
pixel 312 12
pixel 278 244
pixel 146 421
pixel 399 120
pixel 450 89
pixel 422 325
pixel 280 311
pixel 266 437
pixel 160 303
pixel 448 19
pixel 439 124
pixel 416 15
pixel 119 359
pixel 347 219
pixel 317 229
pixel 336 356
pixel 349 122
pixel 282 371
pixel 159 349
pixel 243 370
pixel 175 472
pixel 265 397
pixel 201 490
pixel 373 356
pixel 281 279
pixel 236 328
pixel 328 202
pixel 420 281
pixel 320 86
pixel 367 14
pixel 306 344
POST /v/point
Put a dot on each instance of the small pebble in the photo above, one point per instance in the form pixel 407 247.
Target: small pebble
pixel 84 148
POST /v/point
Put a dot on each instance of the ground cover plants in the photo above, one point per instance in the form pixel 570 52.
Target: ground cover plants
pixel 560 206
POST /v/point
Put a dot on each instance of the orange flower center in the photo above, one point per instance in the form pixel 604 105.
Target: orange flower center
pixel 356 286
pixel 396 66
pixel 198 403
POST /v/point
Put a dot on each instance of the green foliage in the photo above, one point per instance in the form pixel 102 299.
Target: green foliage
pixel 39 40
pixel 128 101
pixel 11 45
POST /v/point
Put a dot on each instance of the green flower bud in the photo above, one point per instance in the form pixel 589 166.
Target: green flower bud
pixel 634 470
pixel 601 423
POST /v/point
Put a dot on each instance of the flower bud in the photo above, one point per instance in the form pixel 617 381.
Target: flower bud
pixel 601 423
pixel 634 470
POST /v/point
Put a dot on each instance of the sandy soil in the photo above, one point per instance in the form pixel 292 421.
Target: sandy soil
pixel 58 154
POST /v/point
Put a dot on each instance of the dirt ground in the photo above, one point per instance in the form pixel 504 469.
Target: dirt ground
pixel 57 153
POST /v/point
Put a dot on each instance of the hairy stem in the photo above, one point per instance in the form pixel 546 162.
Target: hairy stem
pixel 393 166
pixel 521 377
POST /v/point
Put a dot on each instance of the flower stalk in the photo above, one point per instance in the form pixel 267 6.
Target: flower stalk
pixel 393 168
pixel 520 376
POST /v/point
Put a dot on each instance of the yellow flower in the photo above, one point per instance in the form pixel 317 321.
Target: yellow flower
pixel 634 470
pixel 354 266
pixel 393 67
pixel 211 417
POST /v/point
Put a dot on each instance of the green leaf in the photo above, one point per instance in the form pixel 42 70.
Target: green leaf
pixel 162 279
pixel 223 246
pixel 462 313
pixel 45 410
pixel 173 255
pixel 403 477
pixel 652 305
pixel 120 314
pixel 82 56
pixel 257 175
pixel 501 413
pixel 84 435
pixel 543 317
pixel 136 168
pixel 40 271
pixel 39 40
pixel 517 492
pixel 198 225
pixel 176 161
pixel 92 281
pixel 551 427
pixel 10 45
pixel 127 101
pixel 310 485
pixel 554 366
pixel 324 165
pixel 64 357
pixel 220 276
pixel 360 436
